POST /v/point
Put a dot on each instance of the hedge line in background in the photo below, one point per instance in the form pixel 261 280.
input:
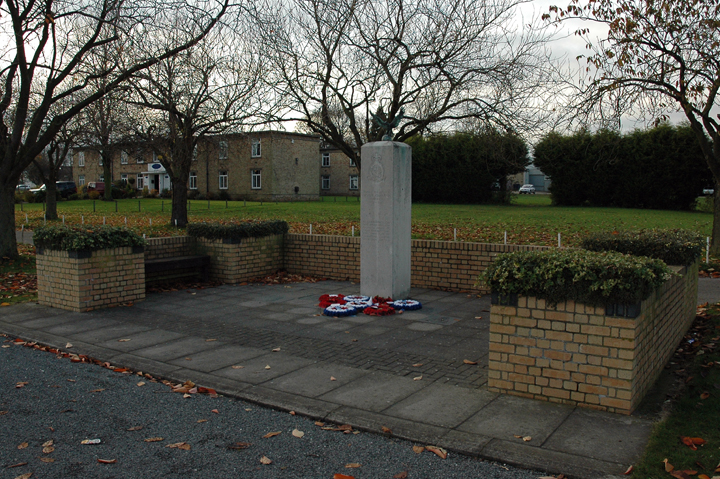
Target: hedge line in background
pixel 660 168
pixel 677 247
pixel 589 277
pixel 237 231
pixel 464 167
pixel 65 238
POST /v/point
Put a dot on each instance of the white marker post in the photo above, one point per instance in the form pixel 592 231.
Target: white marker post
pixel 505 240
pixel 707 250
pixel 454 234
pixel 310 228
pixel 559 243
pixel 353 231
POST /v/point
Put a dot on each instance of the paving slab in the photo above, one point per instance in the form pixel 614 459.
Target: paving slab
pixel 141 340
pixel 316 379
pixel 183 347
pixel 110 332
pixel 255 370
pixel 218 358
pixel 375 392
pixel 79 325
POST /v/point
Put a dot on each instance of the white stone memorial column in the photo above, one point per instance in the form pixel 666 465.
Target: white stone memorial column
pixel 385 209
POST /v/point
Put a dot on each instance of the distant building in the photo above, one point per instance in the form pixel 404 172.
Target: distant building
pixel 339 175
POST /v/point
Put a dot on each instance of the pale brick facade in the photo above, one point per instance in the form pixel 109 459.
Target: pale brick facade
pixel 338 176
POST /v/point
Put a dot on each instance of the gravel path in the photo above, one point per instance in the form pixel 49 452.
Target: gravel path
pixel 66 402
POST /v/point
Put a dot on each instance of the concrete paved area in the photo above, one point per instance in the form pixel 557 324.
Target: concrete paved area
pixel 404 372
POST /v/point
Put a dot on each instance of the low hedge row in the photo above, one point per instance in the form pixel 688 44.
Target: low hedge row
pixel 65 238
pixel 678 247
pixel 589 277
pixel 237 231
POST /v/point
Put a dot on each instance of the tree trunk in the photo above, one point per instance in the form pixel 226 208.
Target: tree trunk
pixel 51 195
pixel 8 243
pixel 179 215
pixel 715 241
pixel 107 175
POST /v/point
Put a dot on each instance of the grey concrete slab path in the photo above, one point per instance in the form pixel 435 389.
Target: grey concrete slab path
pixel 271 345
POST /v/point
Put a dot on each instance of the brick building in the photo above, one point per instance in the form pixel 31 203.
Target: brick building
pixel 267 165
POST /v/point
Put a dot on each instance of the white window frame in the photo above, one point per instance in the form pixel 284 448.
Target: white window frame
pixel 222 150
pixel 352 162
pixel 192 181
pixel 81 180
pixel 223 179
pixel 101 178
pixel 354 182
pixel 325 182
pixel 100 160
pixel 140 182
pixel 123 157
pixel 255 149
pixel 256 179
pixel 81 158
pixel 139 159
pixel 194 155
pixel 124 178
pixel 325 162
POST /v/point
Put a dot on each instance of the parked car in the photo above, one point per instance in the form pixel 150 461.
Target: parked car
pixel 98 186
pixel 63 188
pixel 22 188
pixel 527 190
pixel 708 191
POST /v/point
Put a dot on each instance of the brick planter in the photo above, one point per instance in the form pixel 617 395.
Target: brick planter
pixel 237 261
pixel 600 357
pixel 84 280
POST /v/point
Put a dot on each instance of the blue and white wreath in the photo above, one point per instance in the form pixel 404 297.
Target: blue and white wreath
pixel 339 310
pixel 359 305
pixel 406 304
pixel 358 299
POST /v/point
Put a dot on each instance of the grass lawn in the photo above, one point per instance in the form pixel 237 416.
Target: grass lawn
pixel 530 220
pixel 18 282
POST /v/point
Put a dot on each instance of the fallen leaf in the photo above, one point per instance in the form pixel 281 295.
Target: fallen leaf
pixel 188 359
pixel 417 378
pixel 215 411
pixel 71 380
pixel 107 461
pixel 527 438
pixel 21 384
pixel 267 367
pixel 18 465
pixel 47 459
pixel 23 445
pixel 4 304
pixel 2 413
pixel 668 467
pixel 400 475
pixel 418 449
pixel 97 390
pixel 342 476
pixel 352 465
pixel 442 453
pixel 123 340
pixel 628 471
pixel 265 460
pixel 386 430
pixel 467 361
pixel 27 475
pixel 292 413
pixel 48 443
pixel 705 395
pixel 703 476
pixel 318 423
pixel 179 445
pixel 135 428
pixel 332 378
pixel 417 365
pixel 297 433
pixel 210 340
pixel 237 367
pixel 186 396
pixel 141 383
pixel 272 434
pixel 239 445
pixel 153 439
pixel 276 350
pixel 48 450
pixel 680 474
pixel 202 420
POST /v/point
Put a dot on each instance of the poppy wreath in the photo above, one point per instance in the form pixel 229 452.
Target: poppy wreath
pixel 381 309
pixel 358 299
pixel 339 310
pixel 330 299
pixel 359 305
pixel 406 304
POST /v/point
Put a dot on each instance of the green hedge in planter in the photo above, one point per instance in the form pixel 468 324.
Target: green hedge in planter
pixel 94 238
pixel 677 247
pixel 589 277
pixel 237 231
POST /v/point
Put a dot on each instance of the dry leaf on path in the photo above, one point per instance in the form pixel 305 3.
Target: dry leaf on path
pixel 239 445
pixel 342 476
pixel 386 430
pixel 107 461
pixel 48 443
pixel 267 367
pixel 154 439
pixel 318 423
pixel 467 361
pixel 352 465
pixel 237 367
pixel 21 384
pixel 297 433
pixel 332 378
pixel 276 350
pixel 202 420
pixel 47 459
pixel 141 383
pixel 265 460
pixel 48 450
pixel 97 390
pixel 23 445
pixel 418 449
pixel 442 453
pixel 527 438
pixel 705 395
pixel 417 378
pixel 27 475
pixel 179 445
pixel 210 340
pixel 68 345
pixel 18 465
pixel 400 475
pixel 123 340
pixel 135 428
pixel 292 413
pixel 629 471
pixel 417 365
pixel 215 411
pixel 272 434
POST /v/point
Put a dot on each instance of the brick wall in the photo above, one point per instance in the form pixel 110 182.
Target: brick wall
pixel 435 264
pixel 237 262
pixel 169 247
pixel 85 281
pixel 576 354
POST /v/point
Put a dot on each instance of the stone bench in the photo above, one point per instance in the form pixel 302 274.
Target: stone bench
pixel 177 267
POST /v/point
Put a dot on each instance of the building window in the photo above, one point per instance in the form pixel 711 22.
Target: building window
pixel 101 178
pixel 68 161
pixel 101 161
pixel 139 157
pixel 255 153
pixel 81 180
pixel 123 157
pixel 255 176
pixel 192 182
pixel 156 157
pixel 223 184
pixel 223 150
pixel 194 157
pixel 353 182
pixel 81 158
pixel 123 178
pixel 140 182
pixel 325 183
pixel 326 159
pixel 352 162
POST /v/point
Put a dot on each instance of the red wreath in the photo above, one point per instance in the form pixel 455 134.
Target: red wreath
pixel 381 300
pixel 382 309
pixel 328 299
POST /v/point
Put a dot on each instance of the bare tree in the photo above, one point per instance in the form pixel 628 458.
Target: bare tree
pixel 658 57
pixel 210 89
pixel 436 60
pixel 41 65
